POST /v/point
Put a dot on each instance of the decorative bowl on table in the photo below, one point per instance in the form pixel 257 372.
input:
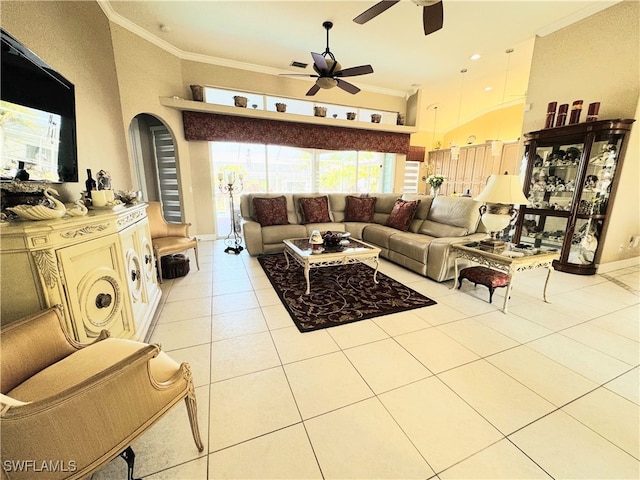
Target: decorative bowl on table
pixel 335 241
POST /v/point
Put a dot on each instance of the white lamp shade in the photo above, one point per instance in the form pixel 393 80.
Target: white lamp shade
pixel 504 189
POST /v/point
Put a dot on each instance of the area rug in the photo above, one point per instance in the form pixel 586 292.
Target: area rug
pixel 339 295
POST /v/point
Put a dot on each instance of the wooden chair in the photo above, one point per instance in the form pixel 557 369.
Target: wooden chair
pixel 80 405
pixel 168 238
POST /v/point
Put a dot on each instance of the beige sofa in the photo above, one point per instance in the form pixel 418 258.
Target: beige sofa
pixel 424 248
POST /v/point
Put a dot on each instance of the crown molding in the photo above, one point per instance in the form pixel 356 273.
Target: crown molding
pixel 592 9
pixel 208 59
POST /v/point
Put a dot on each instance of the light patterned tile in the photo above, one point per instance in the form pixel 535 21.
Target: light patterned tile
pixel 356 333
pixel 246 407
pixel 441 425
pixel 401 322
pixel 612 416
pixel 182 334
pixel 551 380
pixel 606 342
pixel 500 461
pixel 294 346
pixel 325 383
pixel 283 454
pixel 241 355
pixel 235 324
pixel 477 337
pixel 435 350
pixel 385 365
pixel 627 385
pixel 565 448
pixel 503 401
pixel 185 310
pixel 363 441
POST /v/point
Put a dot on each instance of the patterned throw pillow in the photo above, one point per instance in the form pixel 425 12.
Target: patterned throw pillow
pixel 359 209
pixel 315 209
pixel 271 211
pixel 402 214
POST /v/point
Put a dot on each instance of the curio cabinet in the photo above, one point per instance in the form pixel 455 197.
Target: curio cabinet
pixel 571 178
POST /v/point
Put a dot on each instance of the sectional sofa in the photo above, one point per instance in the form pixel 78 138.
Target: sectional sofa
pixel 421 244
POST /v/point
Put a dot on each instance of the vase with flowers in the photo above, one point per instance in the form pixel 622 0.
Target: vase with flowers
pixel 436 181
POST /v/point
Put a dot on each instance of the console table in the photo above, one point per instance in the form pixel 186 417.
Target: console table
pixel 99 267
pixel 507 264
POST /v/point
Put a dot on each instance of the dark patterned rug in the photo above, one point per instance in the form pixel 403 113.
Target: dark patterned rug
pixel 339 295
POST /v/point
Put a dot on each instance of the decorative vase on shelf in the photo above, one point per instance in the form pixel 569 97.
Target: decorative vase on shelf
pixel 197 93
pixel 435 191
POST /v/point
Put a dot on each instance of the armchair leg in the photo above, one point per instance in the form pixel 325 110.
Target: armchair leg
pixel 192 408
pixel 130 458
pixel 196 250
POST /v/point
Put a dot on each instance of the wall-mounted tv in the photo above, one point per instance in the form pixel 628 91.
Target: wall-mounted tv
pixel 37 117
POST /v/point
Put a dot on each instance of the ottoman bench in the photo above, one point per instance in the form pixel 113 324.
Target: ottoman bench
pixel 488 277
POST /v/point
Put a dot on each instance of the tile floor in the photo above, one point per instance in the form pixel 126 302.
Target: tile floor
pixel 452 391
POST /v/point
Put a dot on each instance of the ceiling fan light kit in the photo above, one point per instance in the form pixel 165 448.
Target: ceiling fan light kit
pixel 329 73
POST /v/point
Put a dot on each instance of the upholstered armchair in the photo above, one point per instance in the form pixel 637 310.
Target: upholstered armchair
pixel 168 238
pixel 66 409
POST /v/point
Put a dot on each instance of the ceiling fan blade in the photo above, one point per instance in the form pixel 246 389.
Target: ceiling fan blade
pixel 298 75
pixel 354 71
pixel 347 87
pixel 319 62
pixel 374 11
pixel 313 90
pixel 432 17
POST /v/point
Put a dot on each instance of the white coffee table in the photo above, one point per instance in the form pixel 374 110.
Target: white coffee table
pixel 299 249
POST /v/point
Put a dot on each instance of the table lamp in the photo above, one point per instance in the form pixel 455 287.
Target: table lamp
pixel 499 196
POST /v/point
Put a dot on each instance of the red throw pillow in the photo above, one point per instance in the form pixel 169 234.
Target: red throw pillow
pixel 315 209
pixel 359 209
pixel 402 214
pixel 271 211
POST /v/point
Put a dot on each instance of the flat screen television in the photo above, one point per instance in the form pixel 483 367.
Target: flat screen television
pixel 37 117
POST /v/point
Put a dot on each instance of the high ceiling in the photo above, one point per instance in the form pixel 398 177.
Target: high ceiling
pixel 266 36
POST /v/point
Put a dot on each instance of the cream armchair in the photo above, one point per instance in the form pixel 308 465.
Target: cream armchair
pixel 71 408
pixel 168 238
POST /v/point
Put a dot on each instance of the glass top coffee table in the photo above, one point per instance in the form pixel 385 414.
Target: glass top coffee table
pixel 299 249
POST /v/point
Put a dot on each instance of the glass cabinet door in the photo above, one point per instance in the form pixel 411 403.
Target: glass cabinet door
pixel 600 170
pixel 542 231
pixel 554 176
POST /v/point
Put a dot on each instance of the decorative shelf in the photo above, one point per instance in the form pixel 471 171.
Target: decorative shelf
pixel 190 105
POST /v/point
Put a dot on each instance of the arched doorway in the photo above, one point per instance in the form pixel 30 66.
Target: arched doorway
pixel 156 164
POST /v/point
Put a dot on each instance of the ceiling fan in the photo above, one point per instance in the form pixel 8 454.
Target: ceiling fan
pixel 330 72
pixel 432 13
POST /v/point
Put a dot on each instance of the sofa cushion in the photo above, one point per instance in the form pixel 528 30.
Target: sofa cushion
pixel 402 214
pixel 359 209
pixel 461 212
pixel 314 209
pixel 423 210
pixel 436 229
pixel 271 211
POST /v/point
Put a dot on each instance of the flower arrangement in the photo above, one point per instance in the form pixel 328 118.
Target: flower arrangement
pixel 436 181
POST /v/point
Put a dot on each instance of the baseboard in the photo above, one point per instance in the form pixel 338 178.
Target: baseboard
pixel 618 264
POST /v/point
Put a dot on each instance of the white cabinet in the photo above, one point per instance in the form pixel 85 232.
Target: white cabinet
pixel 99 267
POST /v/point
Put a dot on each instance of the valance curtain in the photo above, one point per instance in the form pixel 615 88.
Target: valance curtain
pixel 230 128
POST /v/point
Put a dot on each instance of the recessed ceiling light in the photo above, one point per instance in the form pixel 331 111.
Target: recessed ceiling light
pixel 165 28
pixel 475 56
pixel 416 84
pixel 488 89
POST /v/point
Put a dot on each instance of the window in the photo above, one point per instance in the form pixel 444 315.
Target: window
pixel 276 168
pixel 411 176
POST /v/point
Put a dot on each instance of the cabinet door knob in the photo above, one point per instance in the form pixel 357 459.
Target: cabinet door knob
pixel 103 300
pixel 134 275
pixel 147 259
